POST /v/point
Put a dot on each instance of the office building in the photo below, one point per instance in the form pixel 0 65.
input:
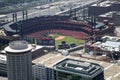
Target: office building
pixel 42 72
pixel 39 72
pixel 70 69
pixel 58 67
pixel 19 63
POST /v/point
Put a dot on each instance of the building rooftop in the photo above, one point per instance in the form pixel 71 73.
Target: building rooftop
pixel 49 59
pixel 52 58
pixel 3 58
pixel 22 46
pixel 78 67
pixel 3 78
pixel 111 38
pixel 108 46
pixel 36 47
pixel 111 44
pixel 18 47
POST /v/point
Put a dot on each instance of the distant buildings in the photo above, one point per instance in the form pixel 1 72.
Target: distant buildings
pixel 19 62
pixel 104 7
pixel 113 16
pixel 108 10
pixel 108 45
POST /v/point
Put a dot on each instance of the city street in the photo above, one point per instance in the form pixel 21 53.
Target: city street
pixel 54 8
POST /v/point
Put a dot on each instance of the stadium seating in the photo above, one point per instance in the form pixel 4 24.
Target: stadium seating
pixel 75 34
pixel 36 27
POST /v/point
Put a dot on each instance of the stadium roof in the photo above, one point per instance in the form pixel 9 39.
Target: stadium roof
pixel 8 28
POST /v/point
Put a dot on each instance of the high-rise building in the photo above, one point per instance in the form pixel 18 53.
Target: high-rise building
pixel 19 63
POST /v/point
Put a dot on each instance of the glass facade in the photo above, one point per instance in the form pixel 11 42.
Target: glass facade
pixel 19 67
pixel 68 76
pixel 99 76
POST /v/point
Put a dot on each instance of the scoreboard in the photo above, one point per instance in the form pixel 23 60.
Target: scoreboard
pixel 46 41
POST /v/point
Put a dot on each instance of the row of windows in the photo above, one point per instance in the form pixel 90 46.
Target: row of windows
pixel 68 76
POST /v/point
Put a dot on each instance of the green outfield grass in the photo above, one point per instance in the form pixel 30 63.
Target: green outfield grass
pixel 68 39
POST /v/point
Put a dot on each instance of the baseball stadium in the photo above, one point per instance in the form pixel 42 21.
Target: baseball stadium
pixel 59 28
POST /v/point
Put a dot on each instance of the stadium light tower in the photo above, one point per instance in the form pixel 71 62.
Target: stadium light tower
pixel 93 35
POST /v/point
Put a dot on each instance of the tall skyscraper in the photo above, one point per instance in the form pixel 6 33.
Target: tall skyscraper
pixel 19 63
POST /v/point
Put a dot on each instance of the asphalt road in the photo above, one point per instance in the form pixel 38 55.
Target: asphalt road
pixel 54 8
